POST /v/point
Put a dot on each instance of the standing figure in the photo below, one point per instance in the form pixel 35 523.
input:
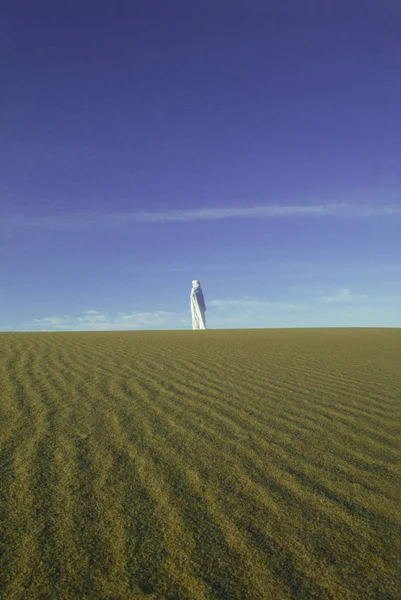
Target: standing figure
pixel 198 306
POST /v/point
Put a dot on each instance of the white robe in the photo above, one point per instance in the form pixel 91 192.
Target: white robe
pixel 198 307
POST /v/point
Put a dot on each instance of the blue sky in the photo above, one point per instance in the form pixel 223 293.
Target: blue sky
pixel 253 145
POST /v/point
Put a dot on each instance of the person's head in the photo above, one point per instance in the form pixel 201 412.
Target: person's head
pixel 195 283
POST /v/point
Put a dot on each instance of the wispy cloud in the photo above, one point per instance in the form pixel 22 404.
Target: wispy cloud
pixel 92 320
pixel 248 304
pixel 343 308
pixel 344 295
pixel 117 220
pixel 221 313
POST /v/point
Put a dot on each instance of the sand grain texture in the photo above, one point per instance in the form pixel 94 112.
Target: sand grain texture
pixel 234 465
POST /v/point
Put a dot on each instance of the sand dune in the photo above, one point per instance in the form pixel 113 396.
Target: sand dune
pixel 200 465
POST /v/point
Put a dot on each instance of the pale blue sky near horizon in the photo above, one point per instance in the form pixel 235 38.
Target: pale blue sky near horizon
pixel 255 146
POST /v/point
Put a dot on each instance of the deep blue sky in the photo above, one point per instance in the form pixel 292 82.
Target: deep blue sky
pixel 254 145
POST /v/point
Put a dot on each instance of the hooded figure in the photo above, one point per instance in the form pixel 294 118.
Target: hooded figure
pixel 198 306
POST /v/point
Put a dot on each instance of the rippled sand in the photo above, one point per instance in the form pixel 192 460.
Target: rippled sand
pixel 193 465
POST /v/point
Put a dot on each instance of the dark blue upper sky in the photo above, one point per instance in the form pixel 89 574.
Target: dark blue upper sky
pixel 112 109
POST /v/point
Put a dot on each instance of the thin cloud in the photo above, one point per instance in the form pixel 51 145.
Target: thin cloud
pixel 207 214
pixel 118 220
pixel 226 311
pixel 343 296
pixel 344 308
pixel 92 320
pixel 248 304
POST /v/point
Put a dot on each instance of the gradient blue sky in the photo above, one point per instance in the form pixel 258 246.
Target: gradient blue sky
pixel 254 145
